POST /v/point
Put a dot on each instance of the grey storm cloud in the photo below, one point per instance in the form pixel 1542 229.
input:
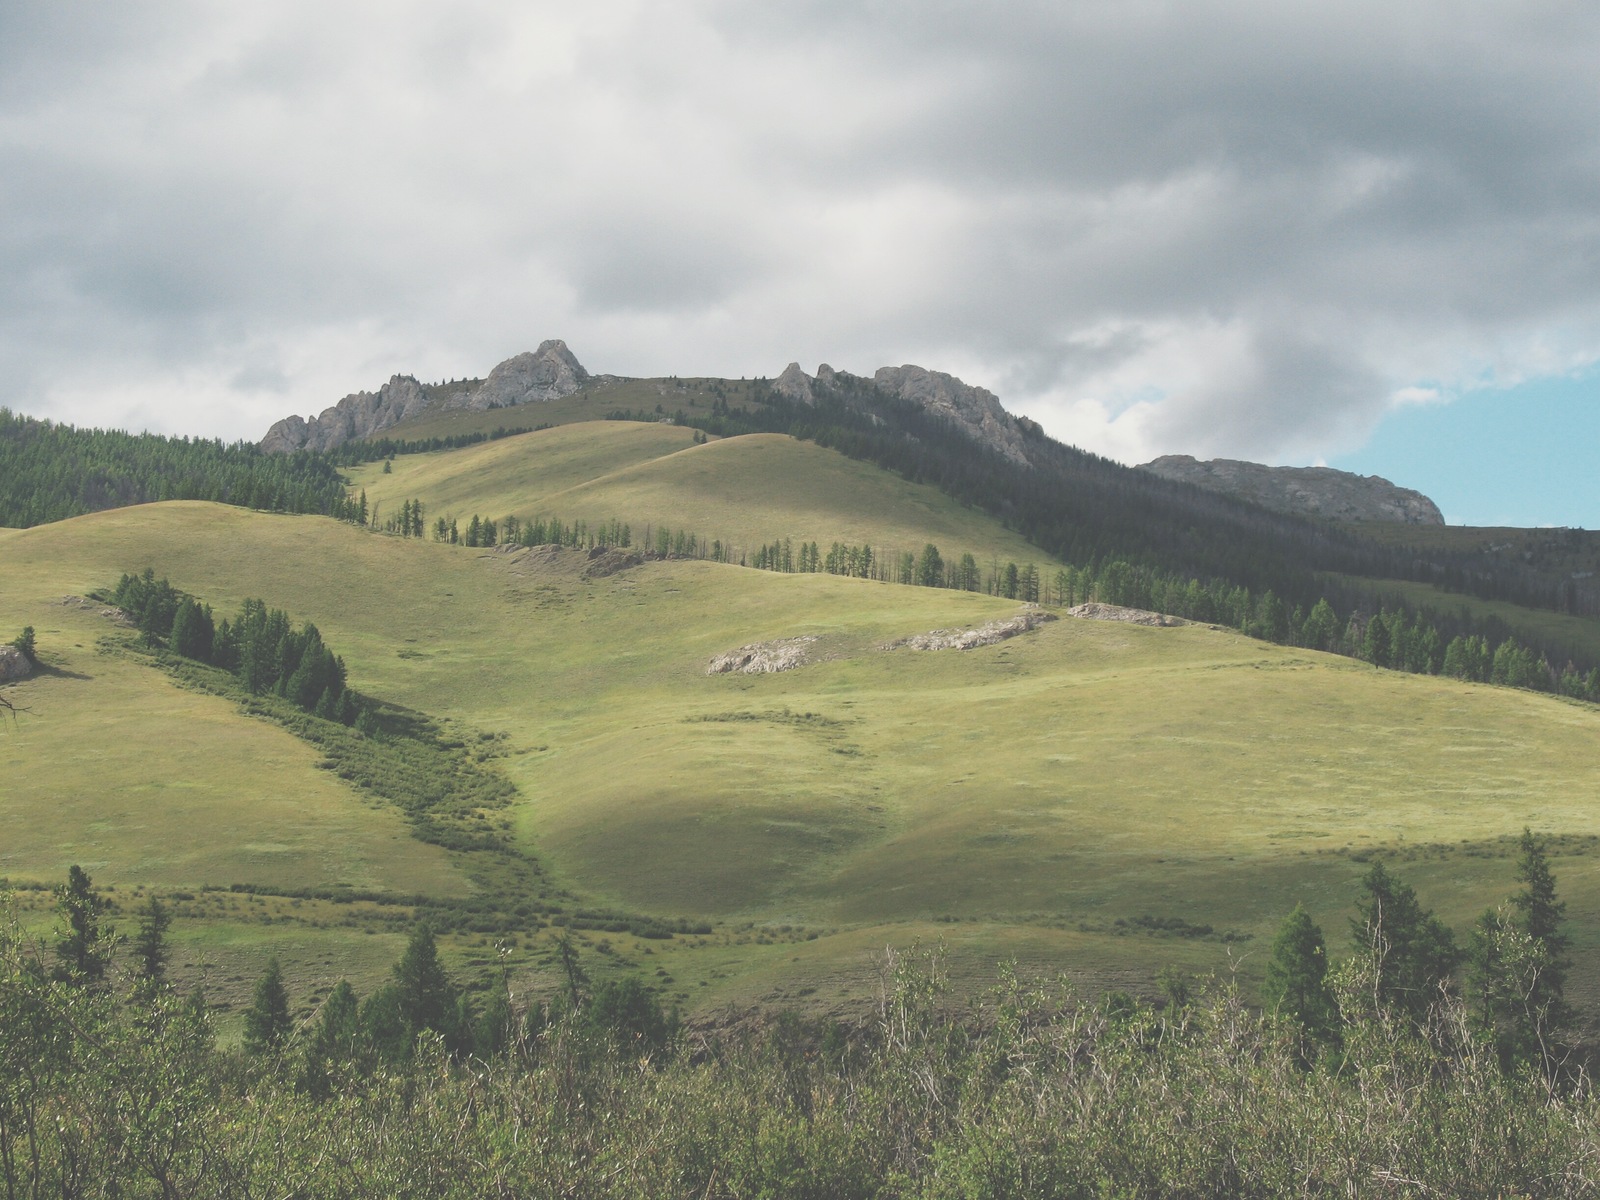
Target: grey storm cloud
pixel 1215 228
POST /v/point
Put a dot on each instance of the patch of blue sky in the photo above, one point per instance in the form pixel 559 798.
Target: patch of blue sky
pixel 1523 456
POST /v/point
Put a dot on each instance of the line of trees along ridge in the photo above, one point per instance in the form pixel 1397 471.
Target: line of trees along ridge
pixel 1392 635
pixel 1083 509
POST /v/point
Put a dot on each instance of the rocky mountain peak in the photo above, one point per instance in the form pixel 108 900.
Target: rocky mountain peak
pixel 973 409
pixel 795 385
pixel 548 373
pixel 1308 491
pixel 358 415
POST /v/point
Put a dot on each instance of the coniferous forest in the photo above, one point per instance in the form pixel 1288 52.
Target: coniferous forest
pixel 49 472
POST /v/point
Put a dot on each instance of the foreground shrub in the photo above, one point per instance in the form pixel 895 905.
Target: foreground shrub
pixel 1035 1093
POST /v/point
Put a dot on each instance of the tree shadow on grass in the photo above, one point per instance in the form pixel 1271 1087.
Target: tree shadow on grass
pixel 43 670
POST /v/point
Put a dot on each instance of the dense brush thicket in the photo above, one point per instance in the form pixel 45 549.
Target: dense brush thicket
pixel 1037 1093
pixel 49 472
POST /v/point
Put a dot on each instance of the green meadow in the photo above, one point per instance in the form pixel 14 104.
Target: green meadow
pixel 1095 798
pixel 748 490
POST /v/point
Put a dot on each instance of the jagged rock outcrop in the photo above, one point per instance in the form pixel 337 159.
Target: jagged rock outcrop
pixel 548 373
pixel 795 384
pixel 973 409
pixel 14 664
pixel 359 415
pixel 1311 491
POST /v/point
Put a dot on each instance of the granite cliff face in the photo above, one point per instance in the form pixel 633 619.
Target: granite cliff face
pixel 548 373
pixel 357 416
pixel 973 410
pixel 1309 491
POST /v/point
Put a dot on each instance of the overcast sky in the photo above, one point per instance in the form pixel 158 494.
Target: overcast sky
pixel 1284 232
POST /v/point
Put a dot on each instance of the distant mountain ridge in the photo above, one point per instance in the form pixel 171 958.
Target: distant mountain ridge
pixel 1308 491
pixel 549 373
pixel 974 410
pixel 553 372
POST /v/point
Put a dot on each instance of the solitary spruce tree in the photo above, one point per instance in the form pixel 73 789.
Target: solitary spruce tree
pixel 84 948
pixel 427 998
pixel 1519 967
pixel 1413 953
pixel 1296 984
pixel 267 1023
pixel 150 946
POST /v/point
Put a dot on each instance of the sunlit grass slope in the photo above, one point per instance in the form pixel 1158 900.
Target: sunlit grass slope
pixel 748 490
pixel 1021 799
pixel 118 770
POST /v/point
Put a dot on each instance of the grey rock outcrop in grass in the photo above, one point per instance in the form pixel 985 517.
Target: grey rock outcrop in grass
pixel 1310 491
pixel 763 658
pixel 1095 611
pixel 971 639
pixel 14 664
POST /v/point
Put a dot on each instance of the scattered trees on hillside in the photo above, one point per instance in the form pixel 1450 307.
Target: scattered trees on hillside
pixel 1394 638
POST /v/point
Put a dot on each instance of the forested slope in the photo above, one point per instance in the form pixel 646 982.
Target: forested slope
pixel 49 472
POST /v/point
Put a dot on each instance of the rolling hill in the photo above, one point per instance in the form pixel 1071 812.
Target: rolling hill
pixel 1093 796
pixel 748 490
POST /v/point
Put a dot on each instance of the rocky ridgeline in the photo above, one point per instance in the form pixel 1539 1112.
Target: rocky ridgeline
pixel 1308 491
pixel 552 372
pixel 974 410
pixel 548 373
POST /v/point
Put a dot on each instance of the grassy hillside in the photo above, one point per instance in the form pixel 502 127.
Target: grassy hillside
pixel 749 490
pixel 1038 798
